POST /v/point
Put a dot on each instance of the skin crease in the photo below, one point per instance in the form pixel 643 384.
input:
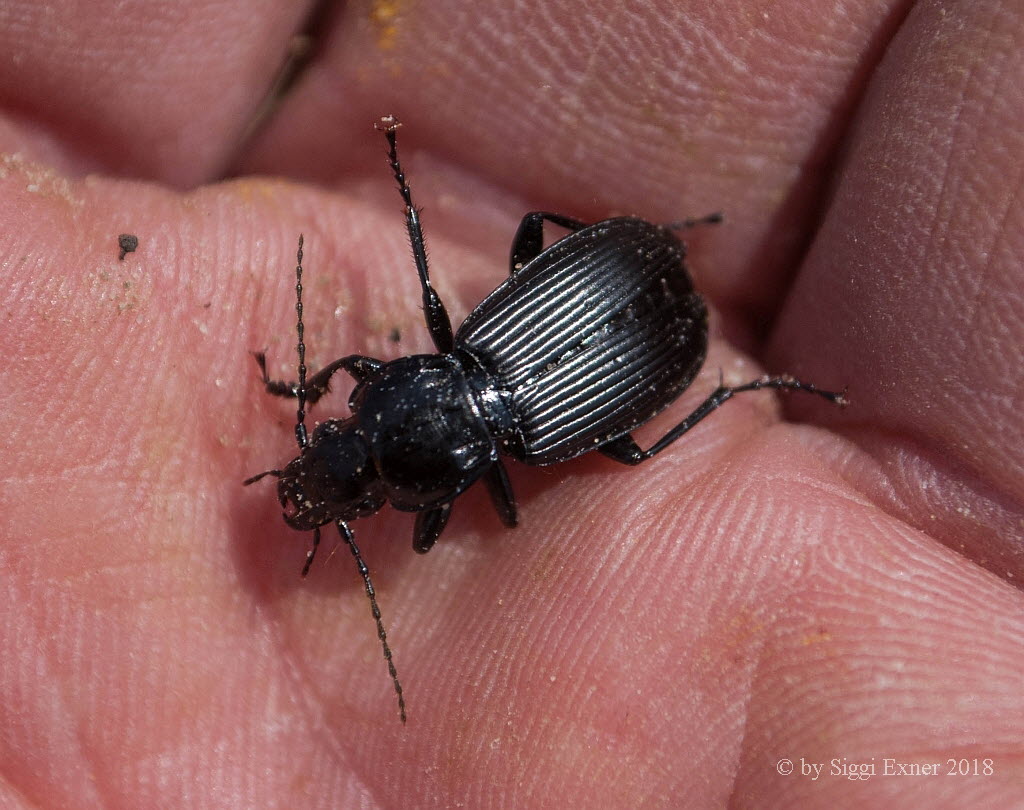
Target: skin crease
pixel 845 587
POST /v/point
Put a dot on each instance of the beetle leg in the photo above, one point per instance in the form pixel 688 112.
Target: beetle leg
pixel 312 552
pixel 693 222
pixel 529 239
pixel 429 525
pixel 438 322
pixel 626 451
pixel 361 368
pixel 500 490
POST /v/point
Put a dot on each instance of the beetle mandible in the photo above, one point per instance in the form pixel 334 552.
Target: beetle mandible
pixel 585 341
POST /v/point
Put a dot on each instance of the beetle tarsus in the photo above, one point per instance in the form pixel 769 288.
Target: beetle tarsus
pixel 360 367
pixel 693 222
pixel 625 450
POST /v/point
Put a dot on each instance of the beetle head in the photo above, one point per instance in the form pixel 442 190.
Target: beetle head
pixel 332 479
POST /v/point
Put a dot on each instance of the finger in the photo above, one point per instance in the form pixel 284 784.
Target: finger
pixel 911 291
pixel 139 89
pixel 667 110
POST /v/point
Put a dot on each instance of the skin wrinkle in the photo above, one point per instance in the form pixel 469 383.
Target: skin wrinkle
pixel 943 204
pixel 978 280
pixel 794 585
pixel 62 689
pixel 973 303
pixel 922 446
pixel 756 651
pixel 303 684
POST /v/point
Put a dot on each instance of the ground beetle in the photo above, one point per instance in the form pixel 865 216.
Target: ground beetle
pixel 585 341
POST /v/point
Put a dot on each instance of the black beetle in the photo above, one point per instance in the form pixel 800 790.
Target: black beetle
pixel 585 341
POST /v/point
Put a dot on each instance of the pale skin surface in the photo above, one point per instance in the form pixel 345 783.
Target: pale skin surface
pixel 841 587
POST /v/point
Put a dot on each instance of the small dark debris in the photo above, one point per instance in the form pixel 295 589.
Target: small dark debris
pixel 128 242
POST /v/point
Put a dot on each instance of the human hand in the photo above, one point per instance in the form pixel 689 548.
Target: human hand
pixel 837 587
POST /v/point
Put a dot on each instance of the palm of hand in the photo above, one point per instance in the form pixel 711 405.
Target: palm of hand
pixel 662 636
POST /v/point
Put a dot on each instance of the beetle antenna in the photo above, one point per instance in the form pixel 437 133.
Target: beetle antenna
pixel 300 423
pixel 364 572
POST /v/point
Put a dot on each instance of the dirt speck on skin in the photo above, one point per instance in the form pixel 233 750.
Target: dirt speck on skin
pixel 127 243
pixel 384 15
pixel 38 179
pixel 258 190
